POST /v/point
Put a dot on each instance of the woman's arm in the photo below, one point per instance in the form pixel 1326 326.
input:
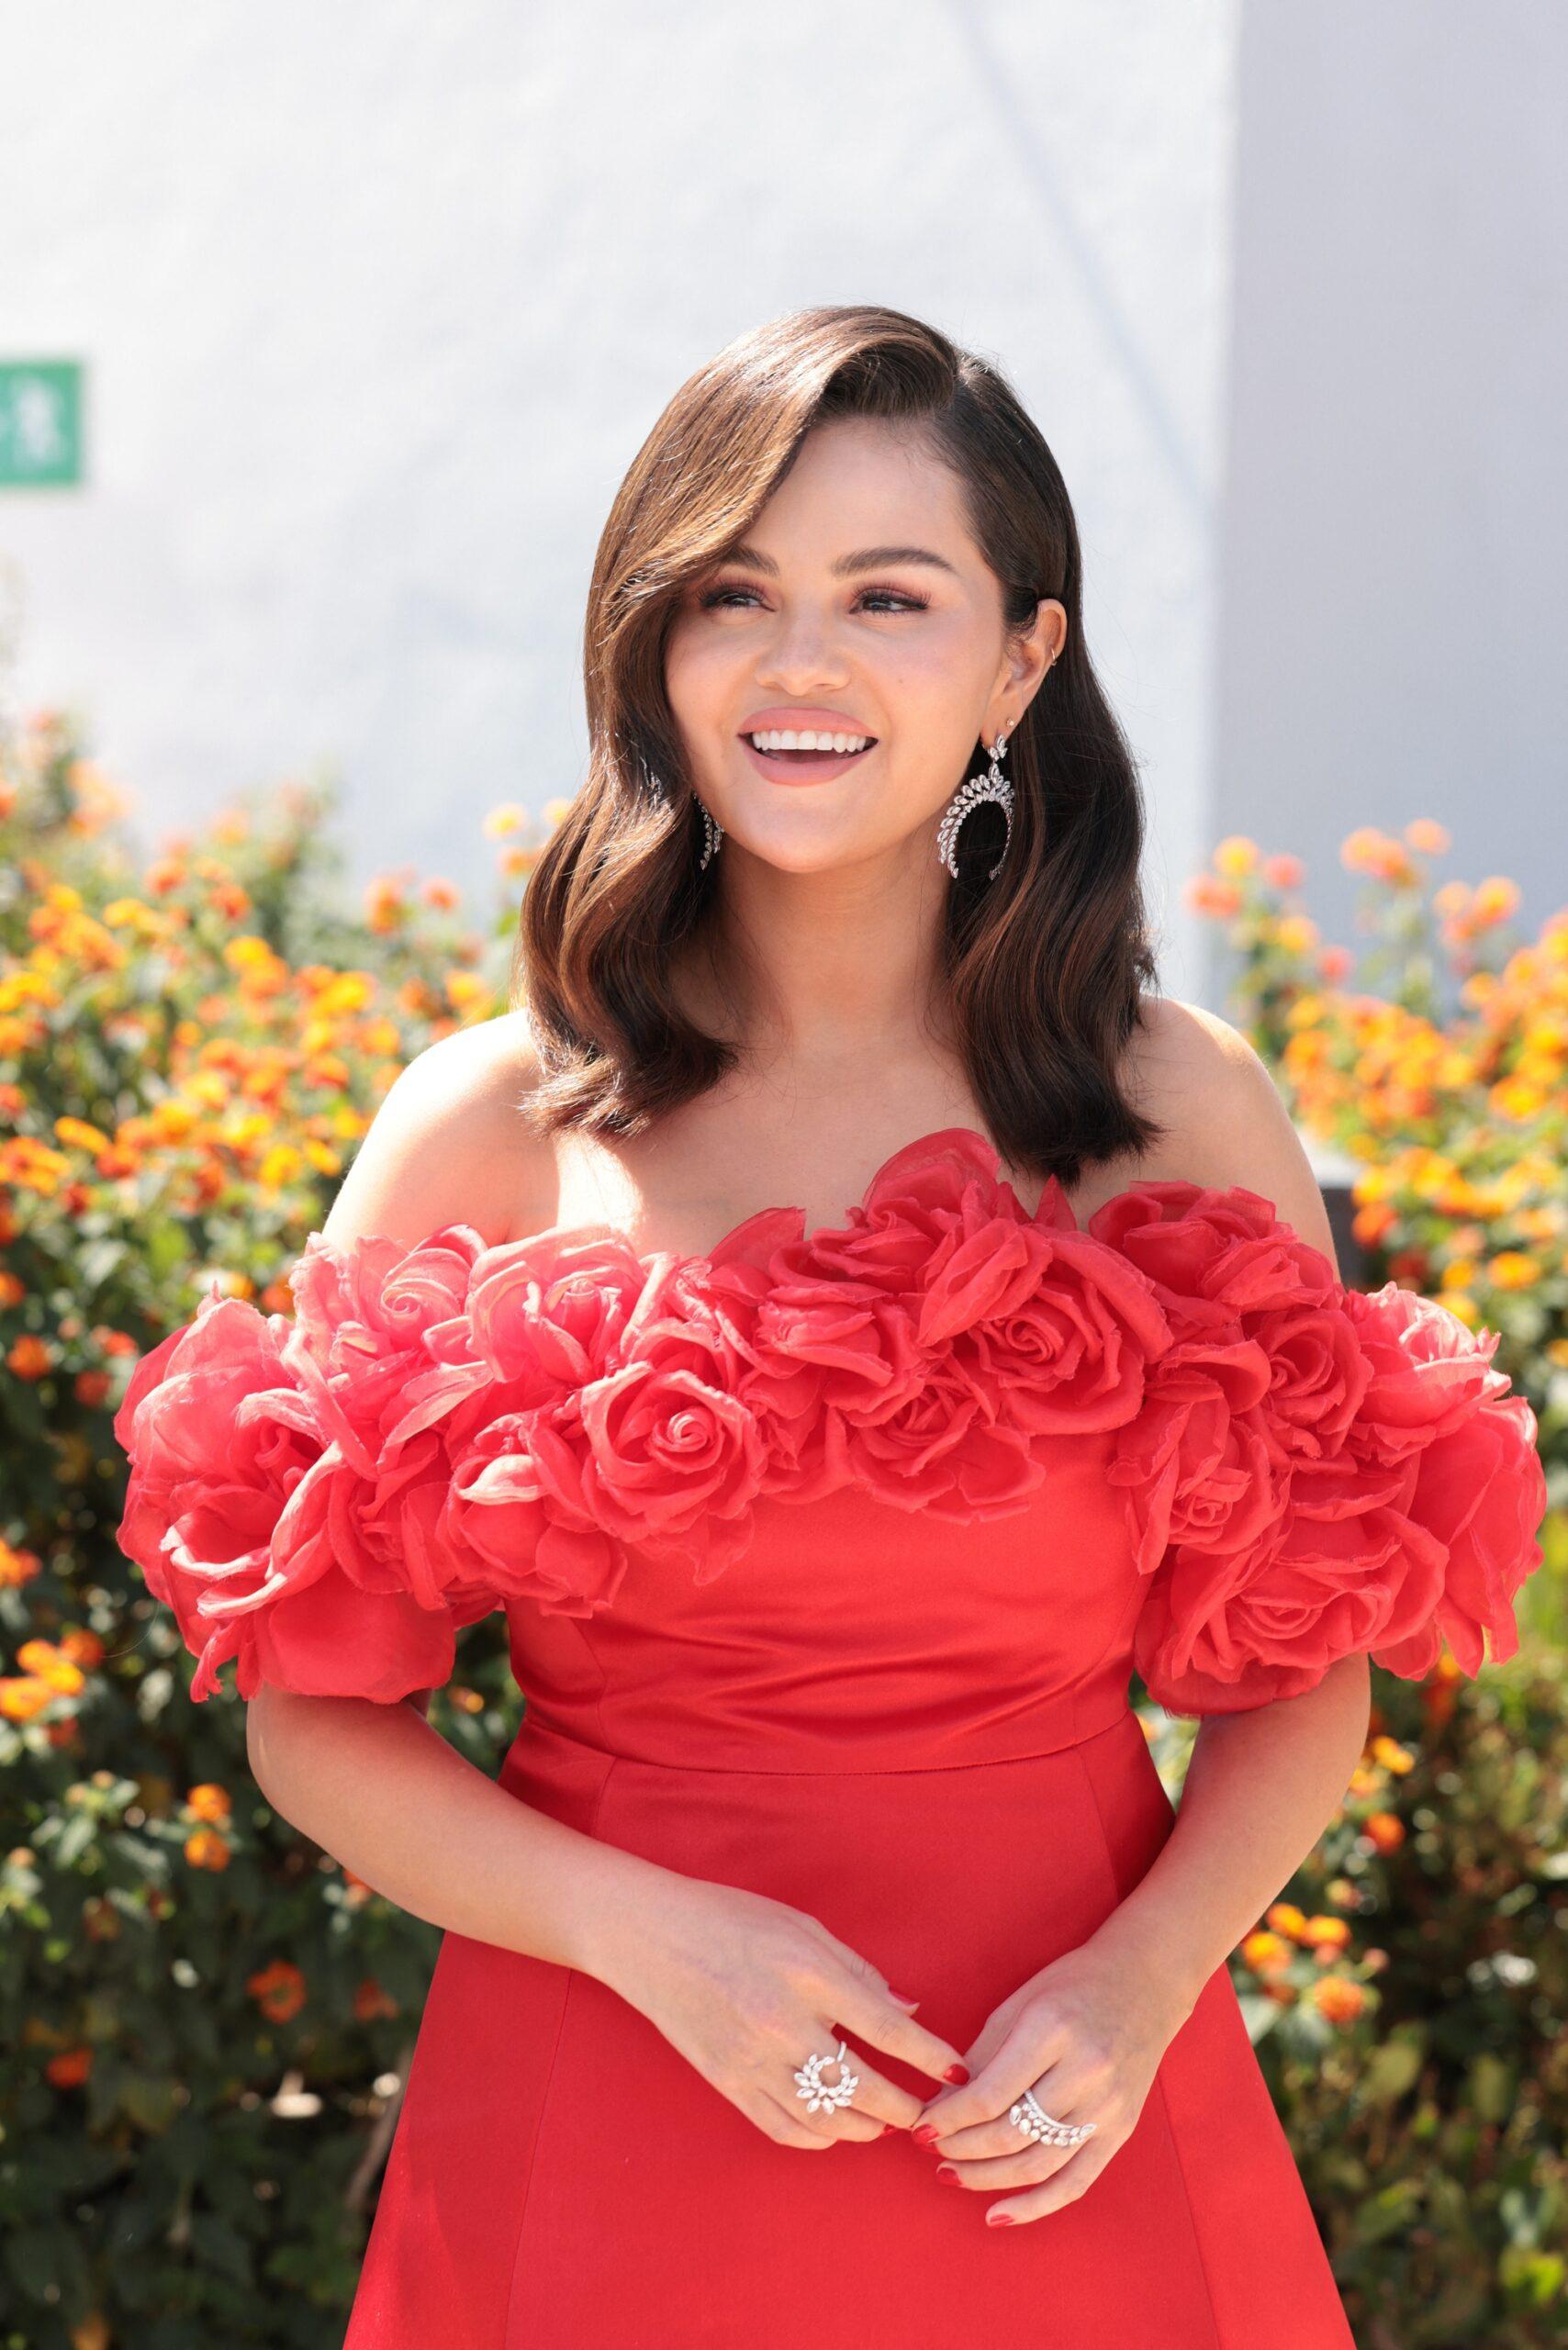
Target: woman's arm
pixel 381 1791
pixel 374 1785
pixel 1260 1789
pixel 1262 1785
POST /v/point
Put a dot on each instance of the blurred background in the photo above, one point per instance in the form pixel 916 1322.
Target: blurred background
pixel 326 336
pixel 364 312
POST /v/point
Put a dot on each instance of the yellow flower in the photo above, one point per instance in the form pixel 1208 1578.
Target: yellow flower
pixel 20 1700
pixel 43 1660
pixel 1235 855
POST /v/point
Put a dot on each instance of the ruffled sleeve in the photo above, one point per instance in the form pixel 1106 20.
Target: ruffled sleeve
pixel 289 1476
pixel 1313 1470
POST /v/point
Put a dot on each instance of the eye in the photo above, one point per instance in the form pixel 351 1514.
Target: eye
pixel 886 598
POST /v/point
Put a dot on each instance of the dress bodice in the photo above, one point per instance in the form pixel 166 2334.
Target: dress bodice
pixel 928 1481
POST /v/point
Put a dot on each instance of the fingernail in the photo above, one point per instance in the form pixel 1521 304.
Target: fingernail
pixel 926 2134
pixel 959 2073
pixel 999 2218
pixel 945 2170
pixel 886 2127
pixel 903 1998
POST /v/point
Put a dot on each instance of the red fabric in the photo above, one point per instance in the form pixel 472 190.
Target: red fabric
pixel 827 1559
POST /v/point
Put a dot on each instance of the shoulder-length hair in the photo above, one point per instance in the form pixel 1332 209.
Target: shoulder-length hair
pixel 1044 969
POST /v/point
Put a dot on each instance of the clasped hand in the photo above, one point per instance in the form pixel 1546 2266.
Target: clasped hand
pixel 1086 2034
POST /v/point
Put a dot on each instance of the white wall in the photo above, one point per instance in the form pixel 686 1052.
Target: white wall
pixel 1393 605
pixel 378 301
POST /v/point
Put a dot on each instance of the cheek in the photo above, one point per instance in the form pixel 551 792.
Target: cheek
pixel 699 669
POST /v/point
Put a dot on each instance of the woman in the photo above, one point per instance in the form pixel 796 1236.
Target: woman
pixel 829 1534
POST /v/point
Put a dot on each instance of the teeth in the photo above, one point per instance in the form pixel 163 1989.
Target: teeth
pixel 788 740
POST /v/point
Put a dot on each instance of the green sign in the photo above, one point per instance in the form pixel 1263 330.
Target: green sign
pixel 40 423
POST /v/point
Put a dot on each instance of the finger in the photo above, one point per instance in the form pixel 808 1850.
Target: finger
pixel 872 2014
pixel 774 2117
pixel 826 2114
pixel 1027 2048
pixel 1064 2186
pixel 1064 2097
pixel 1017 2161
pixel 874 2100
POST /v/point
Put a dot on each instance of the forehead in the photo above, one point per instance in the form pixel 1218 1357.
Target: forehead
pixel 857 483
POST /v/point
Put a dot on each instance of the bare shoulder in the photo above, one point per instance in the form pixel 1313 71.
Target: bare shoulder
pixel 1225 1121
pixel 449 1143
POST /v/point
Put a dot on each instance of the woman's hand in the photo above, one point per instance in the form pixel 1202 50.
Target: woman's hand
pixel 747 1989
pixel 1086 2034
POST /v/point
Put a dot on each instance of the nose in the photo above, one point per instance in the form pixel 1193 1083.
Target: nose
pixel 802 660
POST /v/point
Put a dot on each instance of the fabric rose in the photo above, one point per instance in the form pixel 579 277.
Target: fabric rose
pixel 1317 1470
pixel 280 1473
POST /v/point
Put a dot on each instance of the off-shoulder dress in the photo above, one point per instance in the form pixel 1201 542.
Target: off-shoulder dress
pixel 825 1560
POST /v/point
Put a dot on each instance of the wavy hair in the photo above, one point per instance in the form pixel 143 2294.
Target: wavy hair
pixel 1044 969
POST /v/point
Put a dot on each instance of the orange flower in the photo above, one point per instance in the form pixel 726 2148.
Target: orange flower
pixel 70 2068
pixel 17 1567
pixel 209 1802
pixel 20 1700
pixel 29 1356
pixel 1338 1999
pixel 1208 895
pixel 1323 1932
pixel 206 1849
pixel 1428 837
pixel 279 1988
pixel 1286 1918
pixel 1266 1954
pixel 49 1664
pixel 1384 1830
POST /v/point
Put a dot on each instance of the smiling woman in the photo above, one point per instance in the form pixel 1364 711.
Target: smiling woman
pixel 843 523
pixel 917 1382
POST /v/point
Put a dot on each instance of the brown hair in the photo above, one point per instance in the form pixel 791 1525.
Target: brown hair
pixel 1044 967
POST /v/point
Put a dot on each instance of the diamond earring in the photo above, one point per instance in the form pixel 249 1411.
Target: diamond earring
pixel 974 793
pixel 712 833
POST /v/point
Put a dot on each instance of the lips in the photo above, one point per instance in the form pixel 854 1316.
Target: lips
pixel 803 766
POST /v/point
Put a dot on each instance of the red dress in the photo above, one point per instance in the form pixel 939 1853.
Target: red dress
pixel 825 1562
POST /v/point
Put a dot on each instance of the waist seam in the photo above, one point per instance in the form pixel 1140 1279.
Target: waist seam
pixel 547 1730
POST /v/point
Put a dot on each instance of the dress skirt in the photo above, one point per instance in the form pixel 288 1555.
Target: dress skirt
pixel 562 2178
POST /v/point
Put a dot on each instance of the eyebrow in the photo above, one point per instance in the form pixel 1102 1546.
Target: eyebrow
pixel 867 559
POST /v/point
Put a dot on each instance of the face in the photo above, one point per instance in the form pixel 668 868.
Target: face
pixel 800 630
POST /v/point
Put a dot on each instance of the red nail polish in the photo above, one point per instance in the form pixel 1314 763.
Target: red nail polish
pixel 925 2134
pixel 904 1999
pixel 959 2073
pixel 945 2170
pixel 999 2218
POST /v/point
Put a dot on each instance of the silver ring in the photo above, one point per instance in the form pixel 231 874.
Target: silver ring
pixel 816 2091
pixel 1031 2117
